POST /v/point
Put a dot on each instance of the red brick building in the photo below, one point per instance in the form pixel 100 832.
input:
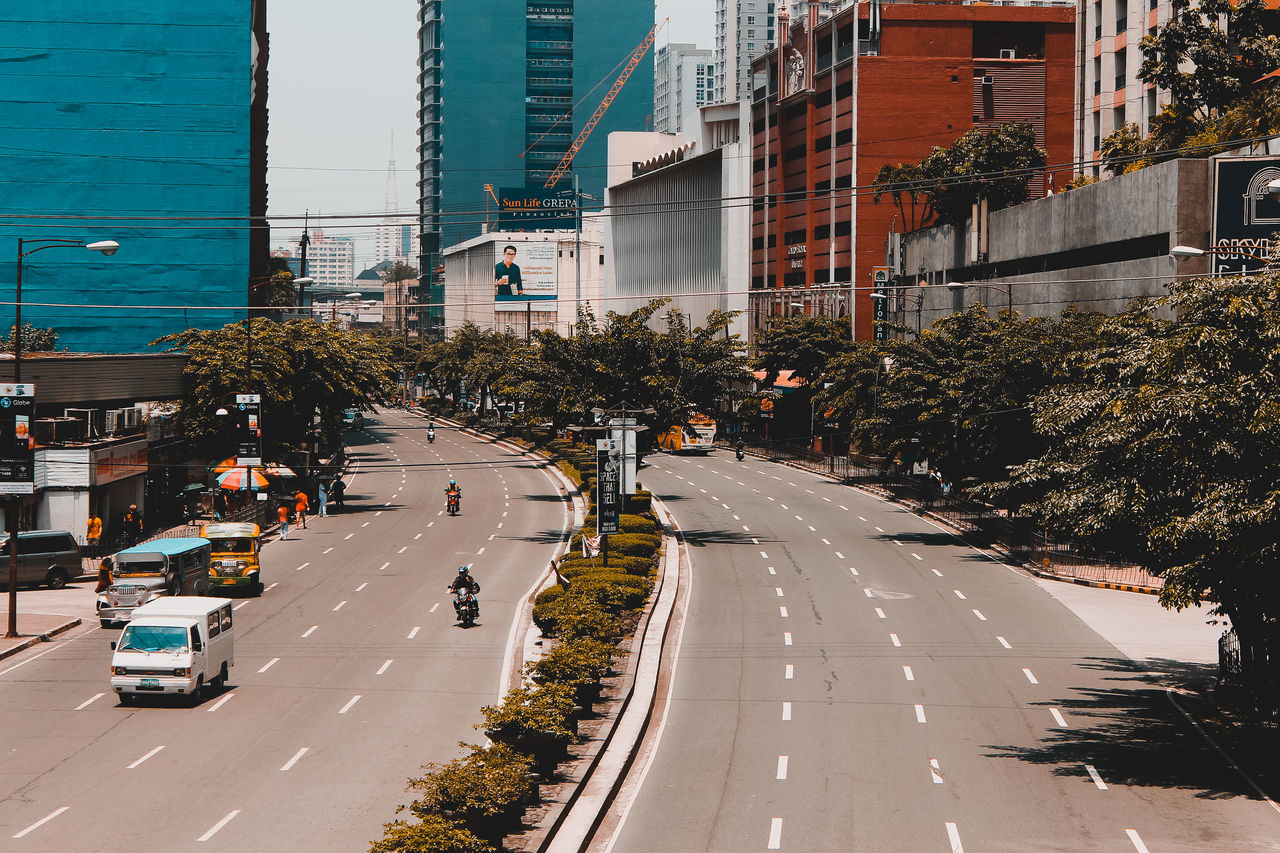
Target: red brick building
pixel 926 73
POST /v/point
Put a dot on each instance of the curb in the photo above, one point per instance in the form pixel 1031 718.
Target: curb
pixel 36 639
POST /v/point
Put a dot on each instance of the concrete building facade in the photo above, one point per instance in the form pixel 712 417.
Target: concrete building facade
pixel 744 31
pixel 331 261
pixel 684 79
pixel 139 122
pixel 965 66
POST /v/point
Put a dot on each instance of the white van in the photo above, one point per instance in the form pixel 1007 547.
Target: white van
pixel 176 644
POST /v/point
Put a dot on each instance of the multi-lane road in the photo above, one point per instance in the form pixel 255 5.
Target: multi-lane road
pixel 851 677
pixel 350 672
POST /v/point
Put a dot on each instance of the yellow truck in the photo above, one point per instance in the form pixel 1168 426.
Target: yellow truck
pixel 233 561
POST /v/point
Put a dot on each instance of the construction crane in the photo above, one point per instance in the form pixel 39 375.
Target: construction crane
pixel 636 56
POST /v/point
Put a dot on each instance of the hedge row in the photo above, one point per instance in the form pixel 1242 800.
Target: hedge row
pixel 470 803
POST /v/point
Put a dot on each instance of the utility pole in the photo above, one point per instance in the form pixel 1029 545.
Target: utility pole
pixel 302 245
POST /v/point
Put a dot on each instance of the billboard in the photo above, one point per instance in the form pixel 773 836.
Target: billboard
pixel 532 208
pixel 1244 214
pixel 608 484
pixel 525 272
pixel 17 445
pixel 249 444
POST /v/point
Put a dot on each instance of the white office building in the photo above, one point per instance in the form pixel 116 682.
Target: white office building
pixel 331 261
pixel 684 79
pixel 744 29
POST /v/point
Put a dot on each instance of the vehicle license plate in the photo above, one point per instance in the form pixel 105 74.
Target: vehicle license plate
pixel 150 682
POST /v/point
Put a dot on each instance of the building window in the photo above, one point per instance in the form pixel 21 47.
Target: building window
pixel 1121 58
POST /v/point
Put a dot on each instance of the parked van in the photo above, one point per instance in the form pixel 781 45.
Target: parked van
pixel 44 557
pixel 233 559
pixel 152 569
pixel 176 644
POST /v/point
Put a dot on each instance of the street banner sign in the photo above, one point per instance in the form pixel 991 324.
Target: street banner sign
pixel 880 279
pixel 608 484
pixel 17 444
pixel 249 427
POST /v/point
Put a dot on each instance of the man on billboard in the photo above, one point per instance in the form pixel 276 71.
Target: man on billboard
pixel 506 275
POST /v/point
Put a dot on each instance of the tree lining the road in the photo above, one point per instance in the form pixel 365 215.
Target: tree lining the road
pixel 298 366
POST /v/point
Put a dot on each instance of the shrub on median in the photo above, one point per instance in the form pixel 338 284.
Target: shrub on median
pixel 486 791
pixel 638 566
pixel 434 834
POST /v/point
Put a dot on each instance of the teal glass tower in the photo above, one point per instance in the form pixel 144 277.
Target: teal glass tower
pixel 505 88
pixel 144 123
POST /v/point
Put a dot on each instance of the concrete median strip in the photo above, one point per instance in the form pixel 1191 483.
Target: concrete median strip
pixel 47 630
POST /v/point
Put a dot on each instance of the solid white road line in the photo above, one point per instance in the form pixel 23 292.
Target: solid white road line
pixel 789 672
pixel 1097 779
pixel 786 710
pixel 383 668
pixel 348 536
pixel 826 541
pixel 782 767
pixel 764 554
pixel 326 550
pixel 935 771
pixel 775 834
pixel 303 566
pixel 936 572
pixel 1058 718
pixel 978 613
pixel 341 604
pixel 145 757
pixel 269 664
pixel 917 556
pixel 375 515
pixel 1132 833
pixel 953 835
pixel 783 612
pixel 1003 642
pixel 1029 676
pixel 481 551
pixel 880 613
pixel 839 556
pixel 309 631
pixel 866 590
pixel 416 629
pixel 433 608
pixel 273 586
pixel 366 524
pixel 919 713
pixel 786 638
pixel 911 676
pixel 224 700
pixel 347 707
pixel 241 604
pixel 896 642
pixel 419 536
pixel 880 529
pixel 362 586
pixel 772 571
pixel 959 594
pixel 747 529
pixel 294 760
pixel 854 571
pixel 41 822
pixel 86 703
pixel 383 566
pixel 402 550
pixel 226 820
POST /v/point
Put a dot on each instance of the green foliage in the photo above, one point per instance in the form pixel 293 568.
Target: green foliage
pixel 299 367
pixel 433 834
pixel 569 617
pixel 486 790
pixel 801 343
pixel 33 339
pixel 996 164
pixel 638 504
pixel 545 712
pixel 1167 449
pixel 625 544
pixel 582 661
pixel 571 567
pixel 1122 151
pixel 547 596
pixel 613 591
pixel 905 183
pixel 627 523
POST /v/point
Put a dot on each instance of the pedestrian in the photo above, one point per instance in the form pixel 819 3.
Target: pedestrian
pixel 283 514
pixel 338 490
pixel 133 525
pixel 93 532
pixel 322 499
pixel 104 575
pixel 300 506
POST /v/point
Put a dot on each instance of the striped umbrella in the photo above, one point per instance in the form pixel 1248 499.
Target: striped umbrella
pixel 236 481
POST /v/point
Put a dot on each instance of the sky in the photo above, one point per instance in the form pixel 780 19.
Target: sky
pixel 340 93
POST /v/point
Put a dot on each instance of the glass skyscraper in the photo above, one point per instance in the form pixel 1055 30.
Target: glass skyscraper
pixel 506 86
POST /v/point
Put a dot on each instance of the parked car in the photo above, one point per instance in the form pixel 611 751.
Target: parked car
pixel 48 557
pixel 353 419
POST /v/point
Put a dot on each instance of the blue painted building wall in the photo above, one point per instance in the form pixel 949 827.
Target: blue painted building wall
pixel 125 120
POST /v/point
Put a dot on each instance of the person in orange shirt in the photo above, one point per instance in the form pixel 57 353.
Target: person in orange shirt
pixel 300 506
pixel 283 514
pixel 93 532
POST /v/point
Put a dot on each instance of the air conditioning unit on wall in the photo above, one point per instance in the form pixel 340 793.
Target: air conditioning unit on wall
pixel 1008 53
pixel 988 81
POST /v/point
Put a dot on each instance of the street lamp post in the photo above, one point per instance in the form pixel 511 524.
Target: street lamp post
pixel 1006 289
pixel 106 247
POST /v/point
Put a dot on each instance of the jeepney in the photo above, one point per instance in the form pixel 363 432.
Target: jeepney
pixel 233 559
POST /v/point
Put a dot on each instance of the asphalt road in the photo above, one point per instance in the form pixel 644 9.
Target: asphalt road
pixel 851 677
pixel 350 673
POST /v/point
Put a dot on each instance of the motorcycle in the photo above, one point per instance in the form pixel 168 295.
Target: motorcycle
pixel 431 436
pixel 454 505
pixel 740 454
pixel 465 605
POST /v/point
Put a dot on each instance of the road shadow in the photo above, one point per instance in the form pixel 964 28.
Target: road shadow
pixel 1132 732
pixel 926 539
pixel 703 538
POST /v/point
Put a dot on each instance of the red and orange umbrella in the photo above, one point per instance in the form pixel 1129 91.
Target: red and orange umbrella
pixel 236 481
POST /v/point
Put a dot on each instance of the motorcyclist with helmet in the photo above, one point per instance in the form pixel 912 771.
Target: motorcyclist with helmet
pixel 451 491
pixel 464 583
pixel 431 433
